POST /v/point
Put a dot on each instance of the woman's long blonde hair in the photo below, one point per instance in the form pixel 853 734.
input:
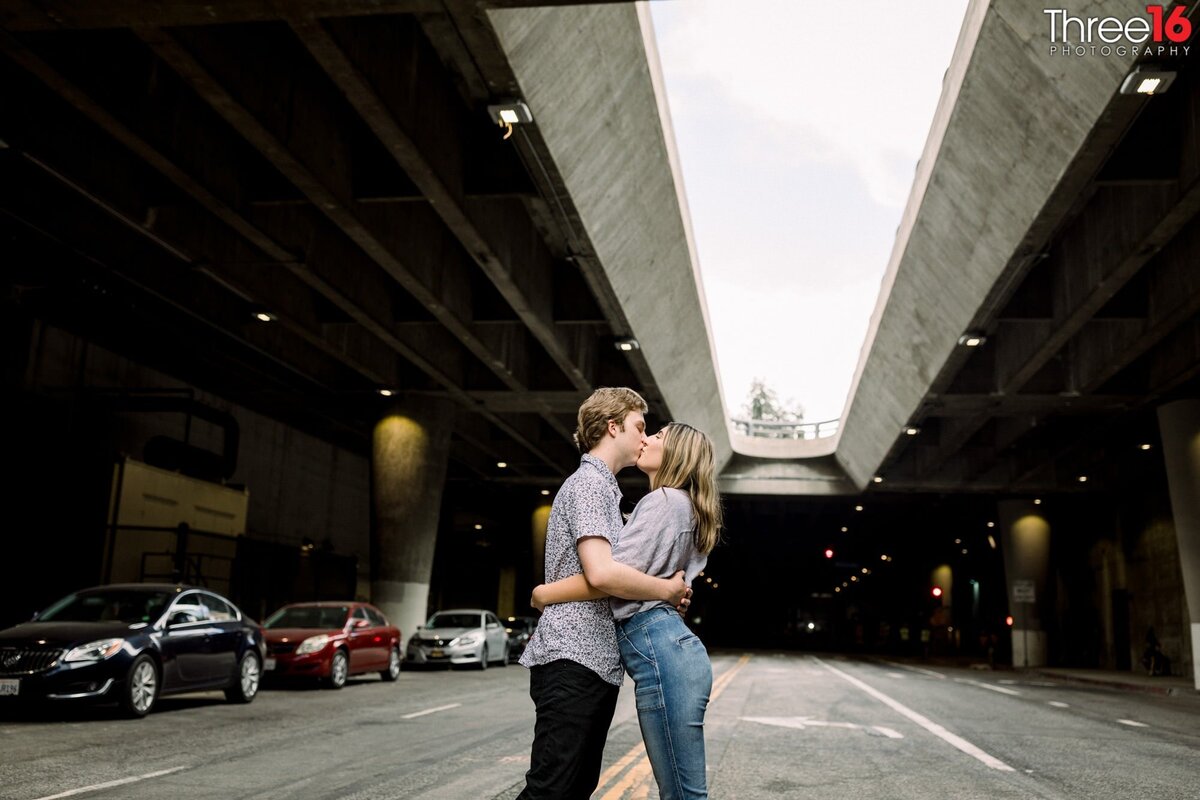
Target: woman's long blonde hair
pixel 689 464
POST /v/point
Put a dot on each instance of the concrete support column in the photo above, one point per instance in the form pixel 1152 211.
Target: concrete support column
pixel 1025 539
pixel 410 449
pixel 1179 424
pixel 537 524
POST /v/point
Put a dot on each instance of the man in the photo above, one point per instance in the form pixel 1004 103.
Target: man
pixel 574 663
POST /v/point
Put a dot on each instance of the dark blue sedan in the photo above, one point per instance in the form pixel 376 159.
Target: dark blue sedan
pixel 132 643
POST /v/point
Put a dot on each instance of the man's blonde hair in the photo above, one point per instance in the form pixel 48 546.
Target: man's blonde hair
pixel 604 405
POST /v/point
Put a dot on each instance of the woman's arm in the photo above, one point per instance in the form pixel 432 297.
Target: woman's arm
pixel 566 590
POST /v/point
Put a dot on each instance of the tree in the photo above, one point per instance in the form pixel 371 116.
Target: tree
pixel 763 403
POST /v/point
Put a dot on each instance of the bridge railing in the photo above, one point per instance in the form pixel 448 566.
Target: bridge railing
pixel 786 430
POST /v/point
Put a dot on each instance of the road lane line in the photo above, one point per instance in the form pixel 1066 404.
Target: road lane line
pixel 416 714
pixel 639 750
pixel 635 776
pixel 1058 704
pixel 983 685
pixel 1132 723
pixel 929 725
pixel 888 732
pixel 930 672
pixel 110 784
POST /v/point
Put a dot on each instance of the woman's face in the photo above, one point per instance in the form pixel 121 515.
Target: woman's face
pixel 651 458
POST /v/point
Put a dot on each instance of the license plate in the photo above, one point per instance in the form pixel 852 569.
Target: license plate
pixel 269 664
pixel 9 687
pixel 436 654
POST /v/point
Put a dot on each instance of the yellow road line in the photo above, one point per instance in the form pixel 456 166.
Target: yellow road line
pixel 640 775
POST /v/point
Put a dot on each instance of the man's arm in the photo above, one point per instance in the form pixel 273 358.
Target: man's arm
pixel 620 580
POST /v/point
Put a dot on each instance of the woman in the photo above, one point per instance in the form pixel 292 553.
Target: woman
pixel 673 528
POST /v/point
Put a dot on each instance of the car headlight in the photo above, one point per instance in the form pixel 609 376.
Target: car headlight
pixel 313 644
pixel 466 640
pixel 95 651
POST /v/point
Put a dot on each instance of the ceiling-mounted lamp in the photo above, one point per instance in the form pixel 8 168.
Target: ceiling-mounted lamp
pixel 627 344
pixel 510 112
pixel 1148 79
pixel 972 339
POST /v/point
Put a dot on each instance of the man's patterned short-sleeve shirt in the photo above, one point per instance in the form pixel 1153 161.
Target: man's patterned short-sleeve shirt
pixel 588 504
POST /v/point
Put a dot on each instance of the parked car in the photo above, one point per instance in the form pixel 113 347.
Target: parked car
pixel 519 630
pixel 331 641
pixel 460 636
pixel 132 643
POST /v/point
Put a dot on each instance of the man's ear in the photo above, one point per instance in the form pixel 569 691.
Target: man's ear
pixel 613 428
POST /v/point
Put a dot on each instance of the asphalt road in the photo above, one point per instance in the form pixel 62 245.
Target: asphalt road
pixel 779 726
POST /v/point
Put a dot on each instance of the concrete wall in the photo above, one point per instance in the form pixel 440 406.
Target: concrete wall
pixel 300 487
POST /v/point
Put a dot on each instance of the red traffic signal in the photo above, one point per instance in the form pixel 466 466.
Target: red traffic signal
pixel 828 553
pixel 937 591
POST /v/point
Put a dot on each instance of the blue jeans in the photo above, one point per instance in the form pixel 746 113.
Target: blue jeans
pixel 673 678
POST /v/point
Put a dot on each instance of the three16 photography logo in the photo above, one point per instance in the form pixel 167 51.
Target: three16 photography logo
pixel 1160 32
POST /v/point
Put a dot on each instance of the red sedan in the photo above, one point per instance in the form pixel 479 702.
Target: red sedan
pixel 331 641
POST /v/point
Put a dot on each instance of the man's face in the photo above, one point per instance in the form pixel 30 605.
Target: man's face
pixel 631 440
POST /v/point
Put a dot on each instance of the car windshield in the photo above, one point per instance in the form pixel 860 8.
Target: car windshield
pixel 453 621
pixel 109 605
pixel 323 617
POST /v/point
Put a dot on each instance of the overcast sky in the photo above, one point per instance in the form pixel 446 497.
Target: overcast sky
pixel 799 125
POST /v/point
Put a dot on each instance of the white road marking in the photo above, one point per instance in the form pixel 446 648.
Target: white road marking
pixel 929 672
pixel 430 711
pixel 1133 724
pixel 896 675
pixel 983 685
pixel 937 730
pixel 1041 683
pixel 110 784
pixel 1058 704
pixel 800 723
pixel 1008 682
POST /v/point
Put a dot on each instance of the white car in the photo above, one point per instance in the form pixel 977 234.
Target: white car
pixel 459 636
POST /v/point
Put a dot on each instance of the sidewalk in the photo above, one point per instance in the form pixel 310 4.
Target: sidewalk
pixel 1126 681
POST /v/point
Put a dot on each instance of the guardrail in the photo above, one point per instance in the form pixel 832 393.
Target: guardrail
pixel 764 429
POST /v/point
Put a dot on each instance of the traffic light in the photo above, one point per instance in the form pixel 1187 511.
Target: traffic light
pixel 828 552
pixel 937 591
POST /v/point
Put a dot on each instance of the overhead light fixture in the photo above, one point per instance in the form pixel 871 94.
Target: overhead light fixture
pixel 958 541
pixel 991 524
pixel 1144 446
pixel 545 492
pixel 627 344
pixel 912 430
pixel 858 508
pixel 1037 501
pixel 972 339
pixel 502 464
pixel 1083 478
pixel 964 551
pixel 508 113
pixel 386 392
pixel 883 557
pixel 845 529
pixel 878 479
pixel 1148 79
pixel 264 316
pixel 478 527
pixel 991 541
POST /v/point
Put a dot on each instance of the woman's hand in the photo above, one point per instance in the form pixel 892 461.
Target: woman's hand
pixel 680 593
pixel 536 599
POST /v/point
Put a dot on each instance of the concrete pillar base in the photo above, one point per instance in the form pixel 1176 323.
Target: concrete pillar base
pixel 1196 653
pixel 404 603
pixel 1028 648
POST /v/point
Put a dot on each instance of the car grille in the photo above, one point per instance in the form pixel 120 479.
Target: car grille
pixel 281 649
pixel 27 660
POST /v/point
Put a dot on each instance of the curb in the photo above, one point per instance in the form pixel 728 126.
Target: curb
pixel 1172 691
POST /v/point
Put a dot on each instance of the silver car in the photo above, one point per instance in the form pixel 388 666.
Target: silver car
pixel 460 636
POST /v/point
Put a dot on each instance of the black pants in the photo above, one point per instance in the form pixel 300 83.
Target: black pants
pixel 574 709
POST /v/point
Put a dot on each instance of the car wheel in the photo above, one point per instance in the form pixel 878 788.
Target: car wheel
pixel 483 664
pixel 339 670
pixel 141 687
pixel 393 670
pixel 249 677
